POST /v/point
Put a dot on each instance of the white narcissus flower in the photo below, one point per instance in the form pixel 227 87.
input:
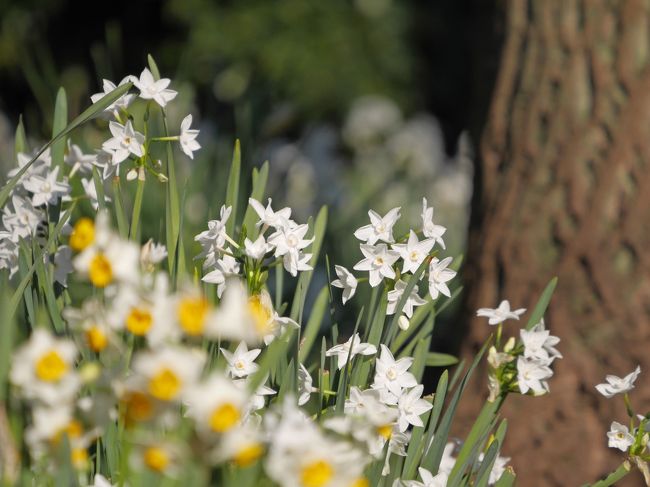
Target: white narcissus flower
pixel 290 238
pixel 345 281
pixel 268 217
pixel 217 405
pixel 151 89
pixel 352 347
pixel 430 229
pixel 241 362
pixel 428 479
pixel 91 191
pixel 126 140
pixel 411 406
pixel 188 137
pixel 498 467
pixel 122 103
pixel 46 189
pixel 151 254
pixel 305 386
pixel 619 437
pixel 501 313
pixel 539 343
pixel 258 249
pixel 295 261
pixel 43 369
pixel 242 445
pixel 395 296
pixel 532 376
pixel 616 385
pixel 392 375
pixel 78 160
pixel 380 227
pixel 168 372
pixel 413 252
pixel 378 262
pixel 224 268
pixel 213 240
pixel 439 275
pixel 23 221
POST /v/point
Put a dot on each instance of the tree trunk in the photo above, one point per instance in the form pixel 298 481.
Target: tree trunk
pixel 563 189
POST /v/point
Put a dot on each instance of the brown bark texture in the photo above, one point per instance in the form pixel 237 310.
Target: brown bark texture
pixel 564 190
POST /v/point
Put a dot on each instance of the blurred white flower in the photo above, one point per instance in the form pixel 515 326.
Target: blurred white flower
pixel 380 227
pixel 151 89
pixel 126 140
pixel 350 348
pixel 439 275
pixel 414 251
pixel 532 376
pixel 378 262
pixel 501 313
pixel 395 296
pixel 46 189
pixel 345 281
pixel 430 229
pixel 616 385
pixel 188 137
pixel 241 362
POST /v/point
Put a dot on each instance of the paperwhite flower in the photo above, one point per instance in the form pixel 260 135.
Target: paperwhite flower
pixel 616 385
pixel 413 252
pixel 43 369
pixel 498 467
pixel 439 275
pixel 217 405
pixel 392 375
pixel 345 281
pixel 378 261
pixel 78 160
pixel 151 254
pixel 46 189
pixel 539 343
pixel 125 141
pixel 290 238
pixel 188 137
pixel 619 437
pixel 500 314
pixel 380 227
pixel 122 103
pixel 411 406
pixel 241 362
pixel 225 267
pixel 395 296
pixel 295 261
pixel 352 347
pixel 430 229
pixel 213 240
pixel 305 386
pixel 101 481
pixel 268 217
pixel 23 221
pixel 532 375
pixel 428 479
pixel 242 445
pixel 151 89
pixel 168 372
pixel 256 250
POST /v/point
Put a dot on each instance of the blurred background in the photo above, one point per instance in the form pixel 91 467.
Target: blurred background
pixel 524 123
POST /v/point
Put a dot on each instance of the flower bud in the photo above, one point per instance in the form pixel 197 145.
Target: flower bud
pixel 403 322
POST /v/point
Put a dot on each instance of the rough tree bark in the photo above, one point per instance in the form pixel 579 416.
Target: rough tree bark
pixel 563 188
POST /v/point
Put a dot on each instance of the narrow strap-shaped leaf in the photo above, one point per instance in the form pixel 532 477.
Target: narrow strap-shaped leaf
pixel 232 190
pixel 86 115
pixel 314 324
pixel 542 304
pixel 99 189
pixel 7 332
pixel 58 125
pixel 483 474
pixel 437 359
pixel 507 479
pixel 260 178
pixel 20 139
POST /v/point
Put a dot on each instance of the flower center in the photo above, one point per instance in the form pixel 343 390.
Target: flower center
pixel 51 367
pixel 391 374
pixel 239 365
pixel 96 338
pixel 316 474
pixel 247 455
pixel 385 431
pixel 156 458
pixel 414 256
pixel 261 314
pixel 381 228
pixel 79 457
pixel 100 271
pixel 379 261
pixel 191 315
pixel 139 321
pixel 361 482
pixel 46 188
pixel 292 241
pixel 224 417
pixel 82 234
pixel 138 407
pixel 165 385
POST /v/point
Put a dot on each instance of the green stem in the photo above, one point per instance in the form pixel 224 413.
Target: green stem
pixel 623 469
pixel 165 139
pixel 137 205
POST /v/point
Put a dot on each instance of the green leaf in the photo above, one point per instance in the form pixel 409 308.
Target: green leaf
pixel 20 140
pixel 120 215
pixel 507 479
pixel 305 277
pixel 435 359
pixel 7 331
pixel 313 325
pixel 137 208
pixel 87 114
pixel 58 125
pixel 232 190
pixel 99 188
pixel 47 288
pixel 153 67
pixel 260 179
pixel 542 304
pixel 484 470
